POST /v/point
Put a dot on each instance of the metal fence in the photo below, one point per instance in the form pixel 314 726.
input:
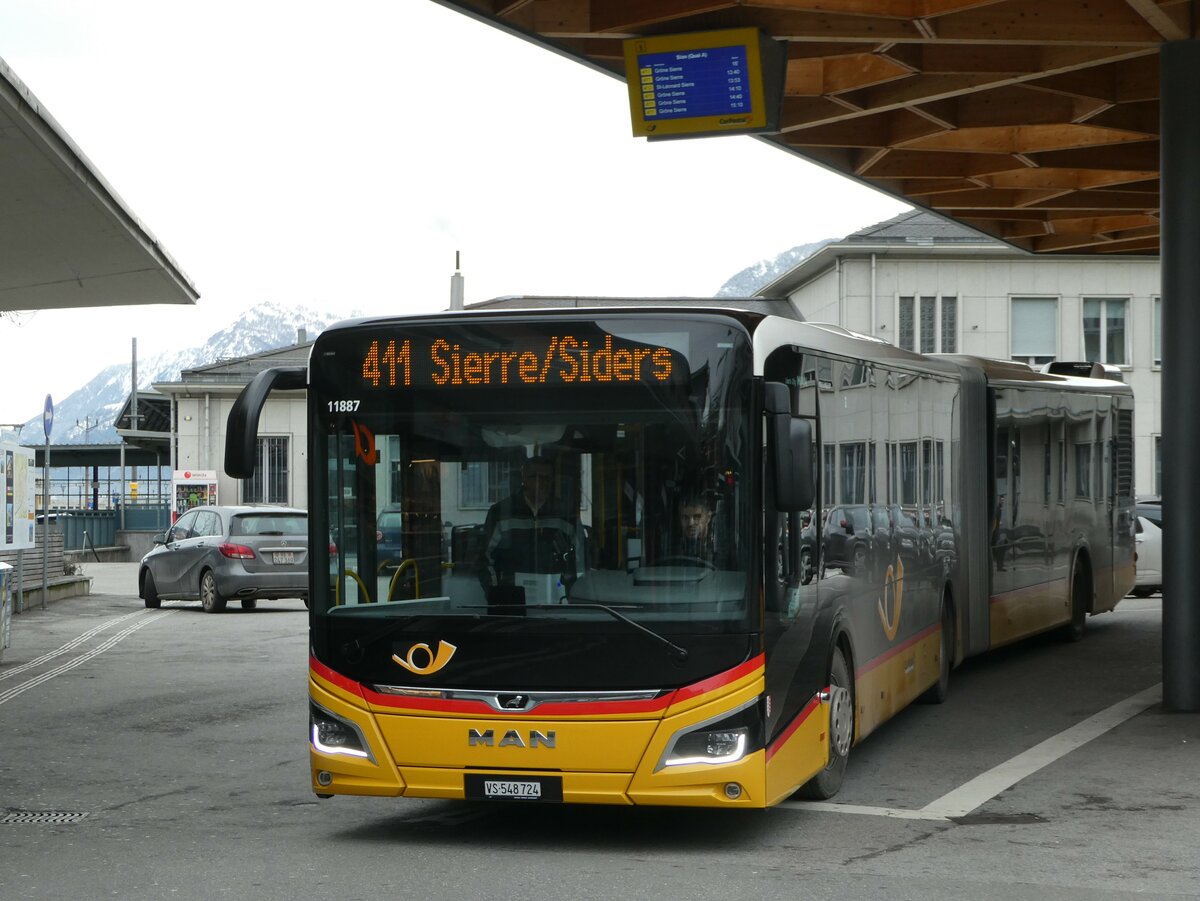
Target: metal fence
pixel 101 526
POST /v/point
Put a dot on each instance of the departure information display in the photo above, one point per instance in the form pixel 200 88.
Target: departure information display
pixel 705 83
pixel 709 82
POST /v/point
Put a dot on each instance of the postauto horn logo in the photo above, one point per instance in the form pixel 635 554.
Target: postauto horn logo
pixel 422 660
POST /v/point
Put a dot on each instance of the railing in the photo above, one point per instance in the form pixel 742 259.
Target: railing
pixel 101 526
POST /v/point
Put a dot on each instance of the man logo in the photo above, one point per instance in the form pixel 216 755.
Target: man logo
pixel 511 739
pixel 431 662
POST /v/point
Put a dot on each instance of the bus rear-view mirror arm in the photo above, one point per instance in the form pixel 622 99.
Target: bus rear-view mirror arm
pixel 242 427
pixel 791 450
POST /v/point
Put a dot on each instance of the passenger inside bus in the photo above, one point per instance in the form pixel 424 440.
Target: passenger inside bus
pixel 529 541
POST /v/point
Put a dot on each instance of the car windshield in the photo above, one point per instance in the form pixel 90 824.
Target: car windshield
pixel 246 524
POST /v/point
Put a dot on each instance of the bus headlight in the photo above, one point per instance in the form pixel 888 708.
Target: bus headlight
pixel 724 739
pixel 330 734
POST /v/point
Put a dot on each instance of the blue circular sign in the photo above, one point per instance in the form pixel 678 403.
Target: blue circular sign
pixel 48 416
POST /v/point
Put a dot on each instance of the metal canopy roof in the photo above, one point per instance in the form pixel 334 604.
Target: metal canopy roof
pixel 1034 121
pixel 66 238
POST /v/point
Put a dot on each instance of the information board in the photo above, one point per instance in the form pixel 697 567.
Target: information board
pixel 20 485
pixel 705 83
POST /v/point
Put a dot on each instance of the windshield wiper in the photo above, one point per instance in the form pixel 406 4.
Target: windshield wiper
pixel 353 649
pixel 677 652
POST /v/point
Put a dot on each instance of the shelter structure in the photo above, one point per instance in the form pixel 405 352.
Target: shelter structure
pixel 1063 127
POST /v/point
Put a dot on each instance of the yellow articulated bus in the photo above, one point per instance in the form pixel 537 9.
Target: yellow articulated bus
pixel 673 553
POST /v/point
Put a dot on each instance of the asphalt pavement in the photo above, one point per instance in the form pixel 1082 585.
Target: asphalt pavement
pixel 161 753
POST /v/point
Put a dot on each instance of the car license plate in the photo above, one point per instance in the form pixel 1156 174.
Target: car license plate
pixel 284 557
pixel 512 788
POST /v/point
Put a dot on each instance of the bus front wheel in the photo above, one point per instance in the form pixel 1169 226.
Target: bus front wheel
pixel 826 783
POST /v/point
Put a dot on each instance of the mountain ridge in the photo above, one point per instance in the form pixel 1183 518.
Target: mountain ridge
pixel 86 416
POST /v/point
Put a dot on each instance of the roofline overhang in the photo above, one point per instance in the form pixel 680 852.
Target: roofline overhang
pixel 42 129
pixel 979 251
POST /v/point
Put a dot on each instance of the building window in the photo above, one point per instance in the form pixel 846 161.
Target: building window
pixel 269 484
pixel 1158 331
pixel 482 484
pixel 928 324
pixel 909 468
pixel 1104 331
pixel 854 473
pixel 830 475
pixel 1083 471
pixel 1034 329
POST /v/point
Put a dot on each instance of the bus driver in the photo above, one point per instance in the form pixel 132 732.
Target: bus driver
pixel 529 533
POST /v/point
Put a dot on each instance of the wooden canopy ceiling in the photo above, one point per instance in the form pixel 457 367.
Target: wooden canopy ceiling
pixel 1035 121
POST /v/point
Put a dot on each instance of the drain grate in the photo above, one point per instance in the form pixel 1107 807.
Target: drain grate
pixel 22 817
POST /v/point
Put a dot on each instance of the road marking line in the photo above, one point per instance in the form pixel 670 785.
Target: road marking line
pixel 978 791
pixel 69 646
pixel 986 786
pixel 80 660
pixel 895 813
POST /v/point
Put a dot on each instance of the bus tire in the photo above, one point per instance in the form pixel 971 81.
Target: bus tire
pixel 150 592
pixel 826 783
pixel 937 693
pixel 210 598
pixel 1073 631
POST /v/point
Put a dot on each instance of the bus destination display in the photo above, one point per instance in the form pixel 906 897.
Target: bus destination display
pixel 558 360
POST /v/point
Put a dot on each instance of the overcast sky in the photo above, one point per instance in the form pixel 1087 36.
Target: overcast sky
pixel 338 155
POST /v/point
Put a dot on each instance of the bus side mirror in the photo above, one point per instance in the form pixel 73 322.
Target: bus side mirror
pixel 241 430
pixel 790 451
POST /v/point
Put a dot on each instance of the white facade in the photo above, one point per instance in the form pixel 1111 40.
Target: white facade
pixel 200 441
pixel 200 405
pixel 1002 304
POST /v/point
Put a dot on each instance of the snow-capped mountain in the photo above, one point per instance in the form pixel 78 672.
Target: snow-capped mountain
pixel 86 415
pixel 750 279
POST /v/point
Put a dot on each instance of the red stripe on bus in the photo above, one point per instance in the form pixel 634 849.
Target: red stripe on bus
pixel 550 708
pixel 335 677
pixel 898 649
pixel 795 724
pixel 718 681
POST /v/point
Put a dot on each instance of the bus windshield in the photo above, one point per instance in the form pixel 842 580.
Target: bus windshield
pixel 550 469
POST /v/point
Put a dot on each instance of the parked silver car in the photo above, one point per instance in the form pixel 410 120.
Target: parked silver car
pixel 217 554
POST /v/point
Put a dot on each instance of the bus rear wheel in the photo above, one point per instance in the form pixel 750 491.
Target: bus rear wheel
pixel 937 693
pixel 1073 631
pixel 826 783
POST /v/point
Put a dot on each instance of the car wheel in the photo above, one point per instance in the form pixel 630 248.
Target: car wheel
pixel 210 599
pixel 249 603
pixel 806 566
pixel 826 783
pixel 150 592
